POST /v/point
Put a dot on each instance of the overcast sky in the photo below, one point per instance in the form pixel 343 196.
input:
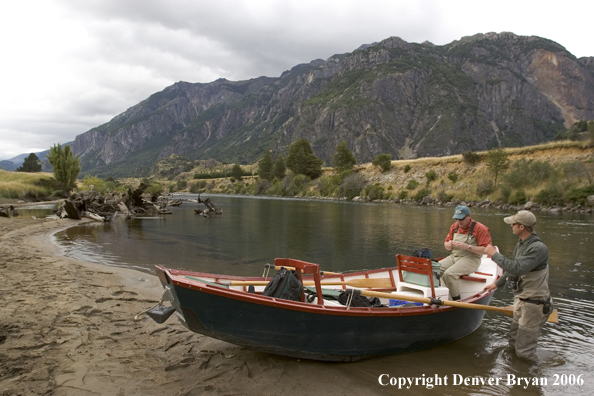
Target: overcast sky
pixel 70 65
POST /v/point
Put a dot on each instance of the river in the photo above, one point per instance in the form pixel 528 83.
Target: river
pixel 343 236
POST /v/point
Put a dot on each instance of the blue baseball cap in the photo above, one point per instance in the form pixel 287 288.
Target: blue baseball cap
pixel 461 212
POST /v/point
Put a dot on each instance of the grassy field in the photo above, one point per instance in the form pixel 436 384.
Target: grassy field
pixel 25 186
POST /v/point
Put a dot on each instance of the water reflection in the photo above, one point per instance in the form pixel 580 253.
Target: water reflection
pixel 346 236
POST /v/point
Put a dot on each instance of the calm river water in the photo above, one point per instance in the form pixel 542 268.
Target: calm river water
pixel 342 236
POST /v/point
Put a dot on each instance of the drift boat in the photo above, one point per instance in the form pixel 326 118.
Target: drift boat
pixel 233 309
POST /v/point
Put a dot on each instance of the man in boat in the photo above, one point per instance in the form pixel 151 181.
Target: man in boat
pixel 527 274
pixel 466 240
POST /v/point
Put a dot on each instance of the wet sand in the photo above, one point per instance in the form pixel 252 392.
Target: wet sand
pixel 67 327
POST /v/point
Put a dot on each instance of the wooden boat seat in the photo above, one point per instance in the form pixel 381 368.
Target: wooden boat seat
pixel 473 278
pixel 421 266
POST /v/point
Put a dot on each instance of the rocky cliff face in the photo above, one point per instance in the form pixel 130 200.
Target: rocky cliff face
pixel 410 100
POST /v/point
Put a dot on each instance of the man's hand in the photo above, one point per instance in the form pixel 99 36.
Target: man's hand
pixel 490 287
pixel 490 251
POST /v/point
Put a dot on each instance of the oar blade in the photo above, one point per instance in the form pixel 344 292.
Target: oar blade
pixel 553 317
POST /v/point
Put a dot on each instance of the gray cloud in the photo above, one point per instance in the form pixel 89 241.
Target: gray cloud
pixel 74 65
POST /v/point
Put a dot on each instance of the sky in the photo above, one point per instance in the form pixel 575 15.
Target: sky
pixel 70 65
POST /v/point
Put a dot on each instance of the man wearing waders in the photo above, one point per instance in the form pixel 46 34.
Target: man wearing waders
pixel 466 240
pixel 527 274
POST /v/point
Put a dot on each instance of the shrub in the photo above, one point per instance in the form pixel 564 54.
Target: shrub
pixel 518 198
pixel 403 194
pixel 444 197
pixel 453 176
pixel 194 188
pixel 352 186
pixel 579 196
pixel 484 188
pixel 505 192
pixel 431 175
pixel 471 158
pixel 384 161
pixel 328 185
pixel 374 192
pixel 261 186
pixel 412 184
pixel 519 175
pixel 553 195
pixel 541 171
pixel 406 168
pixel 422 193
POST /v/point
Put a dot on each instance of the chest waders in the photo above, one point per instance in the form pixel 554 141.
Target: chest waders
pixel 460 262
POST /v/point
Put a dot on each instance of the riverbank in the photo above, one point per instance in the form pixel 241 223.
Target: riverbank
pixel 557 176
pixel 67 327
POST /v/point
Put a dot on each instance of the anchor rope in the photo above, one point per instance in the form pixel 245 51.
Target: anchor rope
pixel 156 305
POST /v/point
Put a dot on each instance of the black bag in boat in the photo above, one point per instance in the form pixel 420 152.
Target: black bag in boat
pixel 359 300
pixel 285 285
pixel 423 252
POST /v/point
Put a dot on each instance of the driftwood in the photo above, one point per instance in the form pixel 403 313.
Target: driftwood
pixel 210 208
pixel 8 211
pixel 93 216
pixel 71 210
pixel 104 207
pixel 175 202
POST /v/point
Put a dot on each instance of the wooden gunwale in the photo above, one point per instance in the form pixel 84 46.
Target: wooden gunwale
pixel 177 280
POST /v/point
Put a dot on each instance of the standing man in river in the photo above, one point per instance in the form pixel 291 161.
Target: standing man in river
pixel 527 274
pixel 466 240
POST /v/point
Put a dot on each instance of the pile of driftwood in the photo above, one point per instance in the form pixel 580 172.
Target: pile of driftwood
pixel 210 208
pixel 101 207
pixel 8 211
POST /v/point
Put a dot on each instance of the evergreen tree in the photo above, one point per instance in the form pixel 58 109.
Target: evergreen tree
pixel 280 168
pixel 302 160
pixel 236 172
pixel 66 165
pixel 343 158
pixel 31 164
pixel 265 167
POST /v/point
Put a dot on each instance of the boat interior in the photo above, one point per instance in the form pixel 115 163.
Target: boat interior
pixel 411 277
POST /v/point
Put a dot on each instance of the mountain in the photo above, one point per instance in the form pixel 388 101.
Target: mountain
pixel 407 99
pixel 8 165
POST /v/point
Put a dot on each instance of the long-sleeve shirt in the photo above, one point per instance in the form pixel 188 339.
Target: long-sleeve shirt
pixel 530 263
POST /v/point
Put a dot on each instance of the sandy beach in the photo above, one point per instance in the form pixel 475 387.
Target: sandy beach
pixel 67 327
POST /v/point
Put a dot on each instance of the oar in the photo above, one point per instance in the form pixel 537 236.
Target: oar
pixel 277 267
pixel 553 317
pixel 321 272
pixel 379 283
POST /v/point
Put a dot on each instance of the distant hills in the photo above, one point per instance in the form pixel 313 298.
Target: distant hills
pixel 410 100
pixel 13 163
pixel 8 165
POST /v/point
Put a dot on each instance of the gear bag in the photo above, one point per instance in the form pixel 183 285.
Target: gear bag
pixel 285 285
pixel 359 301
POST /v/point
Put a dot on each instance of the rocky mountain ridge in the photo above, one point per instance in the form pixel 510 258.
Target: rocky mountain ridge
pixel 410 100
